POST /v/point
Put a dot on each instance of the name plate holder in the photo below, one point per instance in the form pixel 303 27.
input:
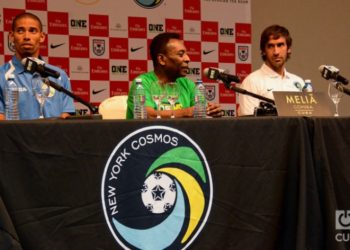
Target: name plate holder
pixel 290 103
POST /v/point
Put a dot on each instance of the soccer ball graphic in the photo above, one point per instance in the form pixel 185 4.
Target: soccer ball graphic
pixel 158 193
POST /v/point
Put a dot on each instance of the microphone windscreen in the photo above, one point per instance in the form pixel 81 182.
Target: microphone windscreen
pixel 206 71
pixel 23 61
pixel 211 73
pixel 321 68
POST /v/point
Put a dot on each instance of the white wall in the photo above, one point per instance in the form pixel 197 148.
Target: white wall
pixel 321 35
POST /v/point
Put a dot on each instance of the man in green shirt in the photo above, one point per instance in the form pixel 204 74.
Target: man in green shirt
pixel 170 62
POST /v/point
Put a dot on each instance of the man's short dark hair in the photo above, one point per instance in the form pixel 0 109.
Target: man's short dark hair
pixel 26 15
pixel 276 31
pixel 159 43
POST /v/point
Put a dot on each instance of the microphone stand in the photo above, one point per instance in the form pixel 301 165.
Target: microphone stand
pixel 266 108
pixel 229 86
pixel 93 109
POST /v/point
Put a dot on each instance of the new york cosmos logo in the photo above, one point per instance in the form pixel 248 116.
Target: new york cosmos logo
pixel 149 4
pixel 156 190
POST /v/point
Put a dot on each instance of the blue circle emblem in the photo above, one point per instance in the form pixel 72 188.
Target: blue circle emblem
pixel 156 190
pixel 149 4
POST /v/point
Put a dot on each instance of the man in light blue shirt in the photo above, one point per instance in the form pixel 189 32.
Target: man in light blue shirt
pixel 27 35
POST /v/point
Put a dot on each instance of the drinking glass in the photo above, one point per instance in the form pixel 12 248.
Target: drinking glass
pixel 41 91
pixel 157 92
pixel 335 93
pixel 172 92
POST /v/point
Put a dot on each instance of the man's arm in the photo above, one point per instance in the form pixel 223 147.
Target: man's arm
pixel 184 112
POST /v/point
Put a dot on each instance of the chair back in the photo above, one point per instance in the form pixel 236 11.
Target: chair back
pixel 114 107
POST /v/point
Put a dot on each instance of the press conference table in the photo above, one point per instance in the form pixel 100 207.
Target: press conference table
pixel 276 181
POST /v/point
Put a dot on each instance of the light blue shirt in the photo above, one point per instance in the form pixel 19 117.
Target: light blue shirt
pixel 56 103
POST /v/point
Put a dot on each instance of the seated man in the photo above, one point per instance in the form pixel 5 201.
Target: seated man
pixel 26 35
pixel 170 62
pixel 275 46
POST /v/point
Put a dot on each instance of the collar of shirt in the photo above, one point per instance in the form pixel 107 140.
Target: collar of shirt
pixel 271 73
pixel 19 68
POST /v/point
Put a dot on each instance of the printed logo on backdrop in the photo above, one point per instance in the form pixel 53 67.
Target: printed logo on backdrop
pixel 136 68
pixel 137 27
pixel 243 33
pixel 194 71
pixel 98 25
pixel 10 44
pixel 210 31
pixel 229 112
pixel 243 53
pixel 99 69
pixel 192 30
pixel 194 50
pixel 56 45
pixel 78 24
pixel 81 89
pixel 157 190
pixel 210 92
pixel 36 4
pixel 79 69
pixel 99 46
pixel 57 23
pixel 118 26
pixel 79 46
pixel 192 10
pixel 61 62
pixel 156 27
pixel 118 48
pixel 149 4
pixel 227 52
pixel 243 70
pixel 119 69
pixel 227 32
pixel 174 25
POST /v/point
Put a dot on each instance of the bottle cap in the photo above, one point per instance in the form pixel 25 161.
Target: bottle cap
pixel 307 87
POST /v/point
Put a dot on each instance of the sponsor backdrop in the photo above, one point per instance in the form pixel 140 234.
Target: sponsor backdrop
pixel 103 45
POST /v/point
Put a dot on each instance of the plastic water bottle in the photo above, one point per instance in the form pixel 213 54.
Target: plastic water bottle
pixel 308 86
pixel 11 99
pixel 200 106
pixel 139 101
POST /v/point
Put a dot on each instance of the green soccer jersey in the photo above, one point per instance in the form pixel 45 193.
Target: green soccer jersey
pixel 185 100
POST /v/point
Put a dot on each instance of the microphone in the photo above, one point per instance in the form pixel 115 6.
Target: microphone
pixel 220 74
pixel 331 72
pixel 32 64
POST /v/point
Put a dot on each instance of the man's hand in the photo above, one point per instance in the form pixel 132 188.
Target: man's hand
pixel 64 115
pixel 214 110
